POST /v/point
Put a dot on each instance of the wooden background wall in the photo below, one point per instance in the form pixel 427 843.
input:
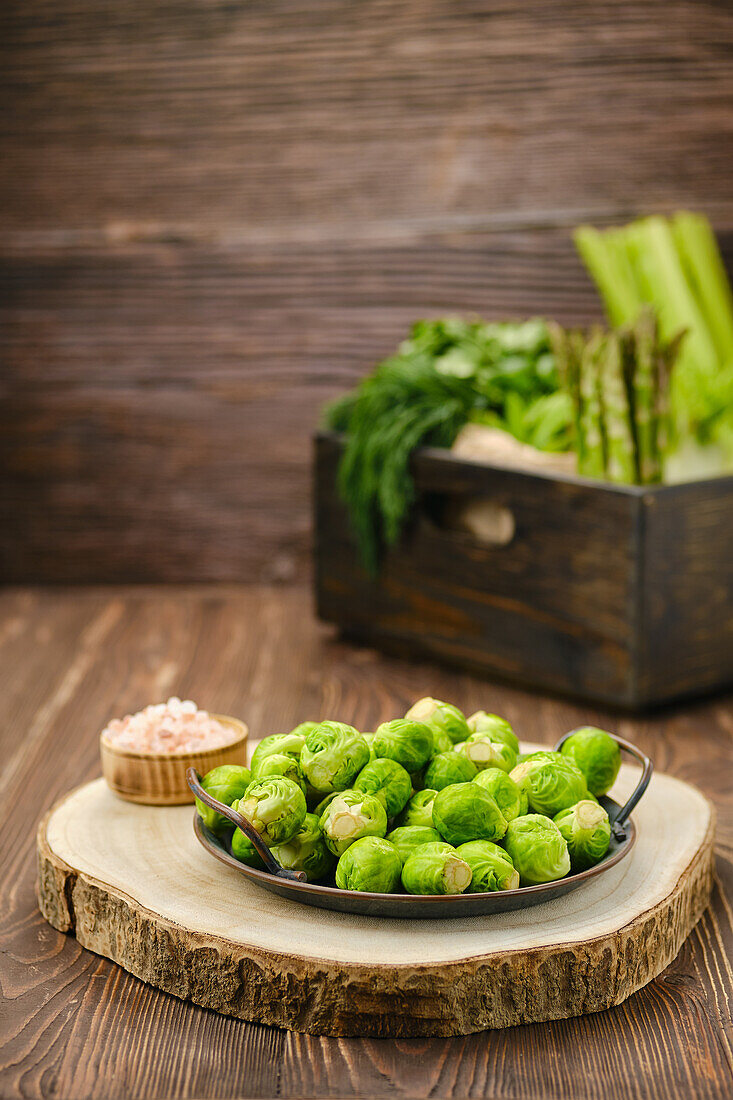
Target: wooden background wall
pixel 215 215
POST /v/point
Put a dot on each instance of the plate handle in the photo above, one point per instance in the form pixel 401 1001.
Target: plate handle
pixel 194 781
pixel 647 768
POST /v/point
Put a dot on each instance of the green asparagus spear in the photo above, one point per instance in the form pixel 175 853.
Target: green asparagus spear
pixel 621 465
pixel 564 348
pixel 592 461
pixel 643 386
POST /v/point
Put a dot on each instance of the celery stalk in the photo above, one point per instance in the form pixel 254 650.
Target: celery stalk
pixel 662 277
pixel 698 249
pixel 612 276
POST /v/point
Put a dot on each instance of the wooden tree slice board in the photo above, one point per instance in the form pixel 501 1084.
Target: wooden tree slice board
pixel 133 884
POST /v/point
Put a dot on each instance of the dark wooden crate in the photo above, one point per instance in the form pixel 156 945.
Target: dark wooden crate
pixel 618 594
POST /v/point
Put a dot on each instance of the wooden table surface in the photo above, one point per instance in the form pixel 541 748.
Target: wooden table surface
pixel 73 1025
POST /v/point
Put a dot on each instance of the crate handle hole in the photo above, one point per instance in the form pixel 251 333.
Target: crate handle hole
pixel 485 521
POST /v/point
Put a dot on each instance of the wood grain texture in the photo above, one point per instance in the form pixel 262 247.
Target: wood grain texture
pixel 215 217
pixel 133 884
pixel 74 1025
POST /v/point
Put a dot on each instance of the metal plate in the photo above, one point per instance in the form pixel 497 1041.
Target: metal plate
pixel 412 906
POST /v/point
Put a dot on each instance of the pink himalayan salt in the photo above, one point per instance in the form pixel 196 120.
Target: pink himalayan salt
pixel 172 727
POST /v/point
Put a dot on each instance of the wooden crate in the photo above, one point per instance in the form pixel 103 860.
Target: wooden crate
pixel 619 594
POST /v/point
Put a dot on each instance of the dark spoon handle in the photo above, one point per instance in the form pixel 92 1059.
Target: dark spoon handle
pixel 194 781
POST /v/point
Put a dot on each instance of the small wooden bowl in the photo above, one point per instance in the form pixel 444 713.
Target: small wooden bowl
pixel 159 779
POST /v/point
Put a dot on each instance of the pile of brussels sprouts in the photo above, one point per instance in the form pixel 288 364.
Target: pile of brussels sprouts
pixel 432 803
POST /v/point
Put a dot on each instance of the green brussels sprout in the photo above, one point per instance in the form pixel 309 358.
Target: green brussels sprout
pixel 369 738
pixel 306 851
pixel 491 867
pixel 418 780
pixel 508 796
pixel 587 832
pixel 466 811
pixel 409 743
pixel 419 810
pixel 441 741
pixel 318 811
pixel 389 781
pixel 448 767
pixel 275 806
pixel 442 716
pixel 406 838
pixel 279 763
pixel 226 783
pixel 284 744
pixel 538 754
pixel 537 849
pixel 333 756
pixel 350 816
pixel 497 728
pixel 597 755
pixel 435 869
pixel 244 850
pixel 552 782
pixel 484 752
pixel 370 864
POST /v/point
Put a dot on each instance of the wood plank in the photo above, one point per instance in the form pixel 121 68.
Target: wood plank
pixel 72 1024
pixel 293 116
pixel 201 376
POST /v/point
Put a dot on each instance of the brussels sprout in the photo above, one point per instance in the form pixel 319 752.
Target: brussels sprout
pixel 279 763
pixel 435 869
pixel 510 798
pixel 369 738
pixel 408 742
pixel 587 831
pixel 418 780
pixel 333 756
pixel 284 744
pixel 491 867
pixel 419 810
pixel 484 752
pixel 448 767
pixel 552 782
pixel 538 754
pixel 226 783
pixel 597 755
pixel 275 806
pixel 537 849
pixel 389 781
pixel 441 741
pixel 406 838
pixel 370 864
pixel 306 851
pixel 244 850
pixel 442 716
pixel 497 728
pixel 318 811
pixel 466 811
pixel 351 815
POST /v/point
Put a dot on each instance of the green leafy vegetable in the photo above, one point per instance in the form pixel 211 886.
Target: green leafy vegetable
pixel 447 372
